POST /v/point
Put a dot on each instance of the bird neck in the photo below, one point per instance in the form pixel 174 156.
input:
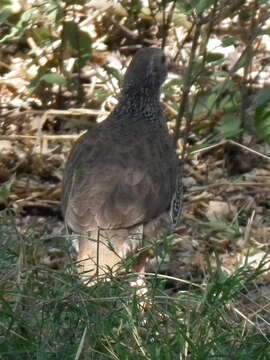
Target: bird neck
pixel 135 101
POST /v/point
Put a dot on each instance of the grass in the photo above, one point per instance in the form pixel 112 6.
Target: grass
pixel 50 314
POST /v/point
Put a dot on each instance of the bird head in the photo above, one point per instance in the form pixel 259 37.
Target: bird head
pixel 148 69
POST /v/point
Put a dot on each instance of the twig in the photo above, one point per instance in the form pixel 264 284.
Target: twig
pixel 167 22
pixel 69 112
pixel 188 81
pixel 248 227
pixel 44 137
pixel 228 184
pixel 229 141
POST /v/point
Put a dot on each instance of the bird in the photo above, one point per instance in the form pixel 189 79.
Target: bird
pixel 122 184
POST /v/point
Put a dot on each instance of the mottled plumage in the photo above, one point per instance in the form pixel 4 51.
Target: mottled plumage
pixel 122 181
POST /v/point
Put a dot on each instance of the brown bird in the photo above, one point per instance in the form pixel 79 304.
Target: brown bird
pixel 122 182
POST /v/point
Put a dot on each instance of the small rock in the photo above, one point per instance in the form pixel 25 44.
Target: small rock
pixel 219 210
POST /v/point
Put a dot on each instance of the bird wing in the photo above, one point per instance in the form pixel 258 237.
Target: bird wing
pixel 114 182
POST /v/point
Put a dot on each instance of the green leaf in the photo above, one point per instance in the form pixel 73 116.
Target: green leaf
pixel 184 7
pixel 14 32
pixel 243 61
pixel 136 7
pixel 222 227
pixel 209 101
pixel 228 41
pixel 70 33
pixel 113 72
pixel 211 57
pixel 230 126
pixel 26 18
pixel 262 97
pixel 5 190
pixel 85 47
pixel 4 15
pixel 42 35
pixel 54 79
pixel 101 94
pixel 79 40
pixel 262 122
pixel 203 5
pixel 75 2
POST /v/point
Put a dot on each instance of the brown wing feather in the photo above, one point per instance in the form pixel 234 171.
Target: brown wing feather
pixel 115 183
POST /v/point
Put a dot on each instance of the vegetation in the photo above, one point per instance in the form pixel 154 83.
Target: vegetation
pixel 50 314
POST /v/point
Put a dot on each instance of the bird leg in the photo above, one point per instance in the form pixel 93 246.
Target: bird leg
pixel 141 262
pixel 97 254
pixel 135 240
